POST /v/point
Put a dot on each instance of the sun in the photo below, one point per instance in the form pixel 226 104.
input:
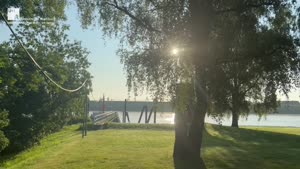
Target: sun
pixel 174 51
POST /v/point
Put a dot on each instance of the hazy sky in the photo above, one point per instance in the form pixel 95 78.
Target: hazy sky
pixel 106 69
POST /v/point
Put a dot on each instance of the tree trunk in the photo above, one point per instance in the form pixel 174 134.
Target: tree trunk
pixel 235 119
pixel 187 147
pixel 235 102
pixel 189 126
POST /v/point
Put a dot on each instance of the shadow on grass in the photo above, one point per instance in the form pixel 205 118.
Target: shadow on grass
pixel 189 164
pixel 226 147
pixel 4 158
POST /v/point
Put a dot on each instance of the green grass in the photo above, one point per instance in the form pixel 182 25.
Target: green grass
pixel 224 148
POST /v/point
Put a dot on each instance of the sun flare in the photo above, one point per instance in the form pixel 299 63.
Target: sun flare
pixel 174 51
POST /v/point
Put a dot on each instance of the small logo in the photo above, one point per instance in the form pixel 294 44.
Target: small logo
pixel 13 13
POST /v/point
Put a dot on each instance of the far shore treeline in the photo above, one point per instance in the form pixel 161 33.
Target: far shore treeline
pixel 285 107
pixel 131 106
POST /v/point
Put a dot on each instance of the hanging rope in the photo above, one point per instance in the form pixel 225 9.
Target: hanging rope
pixel 36 64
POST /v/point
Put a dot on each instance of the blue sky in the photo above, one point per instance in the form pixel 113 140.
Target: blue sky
pixel 109 77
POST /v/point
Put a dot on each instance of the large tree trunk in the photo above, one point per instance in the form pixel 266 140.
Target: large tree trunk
pixel 235 102
pixel 189 126
pixel 235 119
pixel 188 140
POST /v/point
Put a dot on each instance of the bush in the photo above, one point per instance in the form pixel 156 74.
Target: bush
pixel 3 141
pixel 3 123
pixel 77 120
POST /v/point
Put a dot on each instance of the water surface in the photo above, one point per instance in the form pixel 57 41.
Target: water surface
pixel 284 120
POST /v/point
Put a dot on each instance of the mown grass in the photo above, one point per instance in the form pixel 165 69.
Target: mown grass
pixel 246 148
pixel 224 148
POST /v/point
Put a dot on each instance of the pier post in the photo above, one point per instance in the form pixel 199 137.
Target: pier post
pixel 151 111
pixel 154 118
pixel 83 119
pixel 141 114
pixel 155 104
pixel 103 105
pixel 86 114
pixel 146 114
pixel 127 115
pixel 124 112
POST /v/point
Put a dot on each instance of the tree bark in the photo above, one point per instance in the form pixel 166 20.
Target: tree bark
pixel 187 147
pixel 235 102
pixel 189 126
pixel 235 119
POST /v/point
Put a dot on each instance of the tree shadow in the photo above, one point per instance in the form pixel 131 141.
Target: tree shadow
pixel 189 164
pixel 226 147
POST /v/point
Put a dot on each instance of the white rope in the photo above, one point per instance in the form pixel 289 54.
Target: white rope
pixel 37 65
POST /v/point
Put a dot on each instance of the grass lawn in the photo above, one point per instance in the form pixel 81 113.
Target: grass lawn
pixel 224 148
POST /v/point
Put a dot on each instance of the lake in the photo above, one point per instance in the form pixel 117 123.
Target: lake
pixel 286 120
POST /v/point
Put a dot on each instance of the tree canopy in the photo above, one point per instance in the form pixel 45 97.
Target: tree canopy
pixel 35 105
pixel 260 60
pixel 149 30
pixel 36 8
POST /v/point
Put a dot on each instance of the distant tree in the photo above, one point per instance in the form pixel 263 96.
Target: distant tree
pixel 260 60
pixel 149 30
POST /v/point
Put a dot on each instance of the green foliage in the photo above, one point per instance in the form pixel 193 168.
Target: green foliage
pixel 259 60
pixel 3 123
pixel 36 106
pixel 3 119
pixel 184 97
pixel 76 119
pixel 3 141
pixel 6 81
pixel 36 8
pixel 148 31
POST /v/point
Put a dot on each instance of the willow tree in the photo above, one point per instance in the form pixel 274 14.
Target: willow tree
pixel 149 30
pixel 260 60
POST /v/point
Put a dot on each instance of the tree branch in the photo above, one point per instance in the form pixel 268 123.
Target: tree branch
pixel 247 6
pixel 157 7
pixel 123 9
pixel 252 86
pixel 220 61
